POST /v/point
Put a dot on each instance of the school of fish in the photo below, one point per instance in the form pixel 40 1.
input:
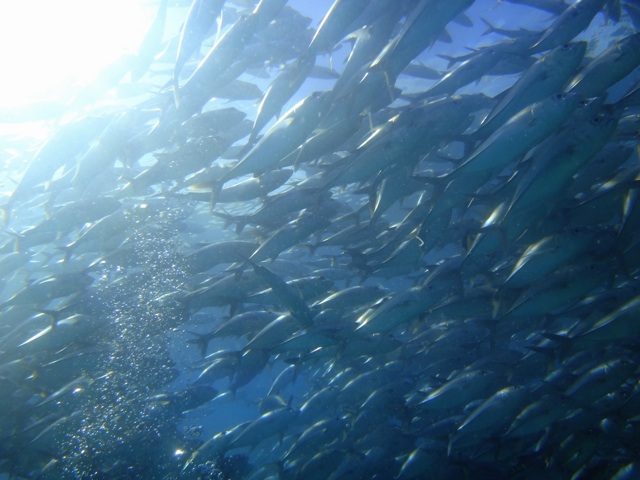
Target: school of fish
pixel 404 275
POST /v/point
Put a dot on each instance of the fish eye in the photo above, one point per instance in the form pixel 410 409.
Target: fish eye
pixel 565 46
pixel 596 120
pixel 558 96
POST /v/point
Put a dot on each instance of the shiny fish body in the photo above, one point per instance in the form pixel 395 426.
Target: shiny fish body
pixel 426 267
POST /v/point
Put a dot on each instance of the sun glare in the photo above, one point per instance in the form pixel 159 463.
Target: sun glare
pixel 50 46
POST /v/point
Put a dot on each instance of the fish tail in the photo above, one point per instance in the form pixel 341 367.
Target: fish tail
pixel 215 192
pixel 67 250
pixel 312 247
pixel 490 27
pixel 54 314
pixel 202 341
pixel 240 221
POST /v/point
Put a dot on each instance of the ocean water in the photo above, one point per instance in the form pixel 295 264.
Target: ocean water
pixel 426 269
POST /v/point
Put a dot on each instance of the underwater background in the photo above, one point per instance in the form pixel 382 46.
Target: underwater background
pixel 383 239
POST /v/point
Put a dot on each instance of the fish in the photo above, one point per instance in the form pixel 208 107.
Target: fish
pixel 617 61
pixel 573 20
pixel 151 43
pixel 425 17
pixel 398 309
pixel 335 23
pixel 200 86
pixel 288 295
pixel 280 91
pixel 426 266
pixel 546 76
pixel 200 18
pixel 59 151
pixel 521 133
pixel 369 40
pixel 465 73
pixel 285 136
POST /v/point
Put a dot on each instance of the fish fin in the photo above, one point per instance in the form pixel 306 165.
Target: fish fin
pixel 201 340
pixel 219 23
pixel 249 145
pixel 176 91
pixel 562 339
pixel 6 213
pixel 17 246
pixel 453 60
pixel 463 20
pixel 296 162
pixel 240 220
pixel 216 187
pixel 67 250
pixel 54 314
pixel 445 37
pixel 312 248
